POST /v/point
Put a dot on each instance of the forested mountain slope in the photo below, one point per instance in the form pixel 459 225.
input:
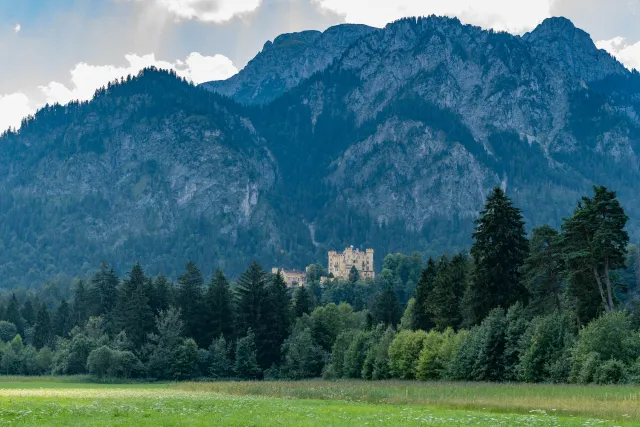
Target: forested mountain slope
pixel 392 142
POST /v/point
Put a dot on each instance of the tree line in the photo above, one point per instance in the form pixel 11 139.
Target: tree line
pixel 558 306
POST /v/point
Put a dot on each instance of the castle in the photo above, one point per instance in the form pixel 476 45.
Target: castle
pixel 340 263
pixel 291 277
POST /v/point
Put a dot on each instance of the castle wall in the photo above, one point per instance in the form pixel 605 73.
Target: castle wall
pixel 340 263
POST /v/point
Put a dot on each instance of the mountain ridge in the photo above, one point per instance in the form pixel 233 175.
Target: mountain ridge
pixel 393 143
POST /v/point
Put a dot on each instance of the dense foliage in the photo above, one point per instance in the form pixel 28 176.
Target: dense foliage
pixel 532 326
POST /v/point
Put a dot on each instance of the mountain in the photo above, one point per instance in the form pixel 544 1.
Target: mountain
pixel 285 62
pixel 391 139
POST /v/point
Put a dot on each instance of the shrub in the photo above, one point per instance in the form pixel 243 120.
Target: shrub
pixel 376 364
pixel 429 366
pixel 220 361
pixel 99 361
pixel 246 365
pixel 356 354
pixel 7 331
pixel 404 353
pixel 303 358
pixel 610 372
pixel 611 336
pixel 544 353
pixel 588 368
pixel 335 369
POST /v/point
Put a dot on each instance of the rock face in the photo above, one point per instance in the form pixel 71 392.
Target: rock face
pixel 285 62
pixel 389 139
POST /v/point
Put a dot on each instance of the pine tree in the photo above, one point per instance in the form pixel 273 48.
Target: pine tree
pixel 594 240
pixel 421 318
pixel 105 291
pixel 246 365
pixel 81 303
pixel 498 252
pixel 543 269
pixel 444 301
pixel 218 317
pixel 189 301
pixel 303 303
pixel 42 334
pixel 354 275
pixel 132 313
pixel 277 315
pixel 162 295
pixel 28 313
pixel 221 366
pixel 62 319
pixel 251 291
pixel 12 314
pixel 387 308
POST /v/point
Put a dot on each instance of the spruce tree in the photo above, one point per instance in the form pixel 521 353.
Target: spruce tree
pixel 81 304
pixel 443 303
pixel 42 334
pixel 105 290
pixel 218 316
pixel 251 291
pixel 543 270
pixel 246 365
pixel 62 319
pixel 303 303
pixel 132 313
pixel 498 252
pixel 386 308
pixel 162 295
pixel 28 313
pixel 277 315
pixel 220 366
pixel 252 305
pixel 189 301
pixel 421 318
pixel 12 314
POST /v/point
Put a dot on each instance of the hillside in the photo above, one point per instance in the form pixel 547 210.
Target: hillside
pixel 389 138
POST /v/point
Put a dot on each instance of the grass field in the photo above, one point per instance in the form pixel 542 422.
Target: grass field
pixel 75 402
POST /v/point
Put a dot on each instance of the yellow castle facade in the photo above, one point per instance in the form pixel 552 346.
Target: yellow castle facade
pixel 340 263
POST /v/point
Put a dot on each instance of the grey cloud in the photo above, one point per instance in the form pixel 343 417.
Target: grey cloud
pixel 603 19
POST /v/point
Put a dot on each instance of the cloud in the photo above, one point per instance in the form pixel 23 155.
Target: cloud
pixel 13 108
pixel 627 54
pixel 86 78
pixel 504 15
pixel 207 10
pixel 17 28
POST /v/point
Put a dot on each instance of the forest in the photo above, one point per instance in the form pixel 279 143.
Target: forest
pixel 555 305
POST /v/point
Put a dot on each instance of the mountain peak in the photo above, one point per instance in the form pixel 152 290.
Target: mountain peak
pixel 559 40
pixel 559 28
pixel 286 61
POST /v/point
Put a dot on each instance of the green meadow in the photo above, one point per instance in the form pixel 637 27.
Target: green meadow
pixel 74 401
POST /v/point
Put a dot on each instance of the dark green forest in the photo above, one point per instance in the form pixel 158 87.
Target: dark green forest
pixel 552 305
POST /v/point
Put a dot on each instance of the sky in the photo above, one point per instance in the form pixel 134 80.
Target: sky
pixel 60 50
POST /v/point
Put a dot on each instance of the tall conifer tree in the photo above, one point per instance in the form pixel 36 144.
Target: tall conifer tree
pixel 62 319
pixel 42 334
pixel 218 313
pixel 12 314
pixel 190 292
pixel 421 318
pixel 277 315
pixel 498 252
pixel 132 313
